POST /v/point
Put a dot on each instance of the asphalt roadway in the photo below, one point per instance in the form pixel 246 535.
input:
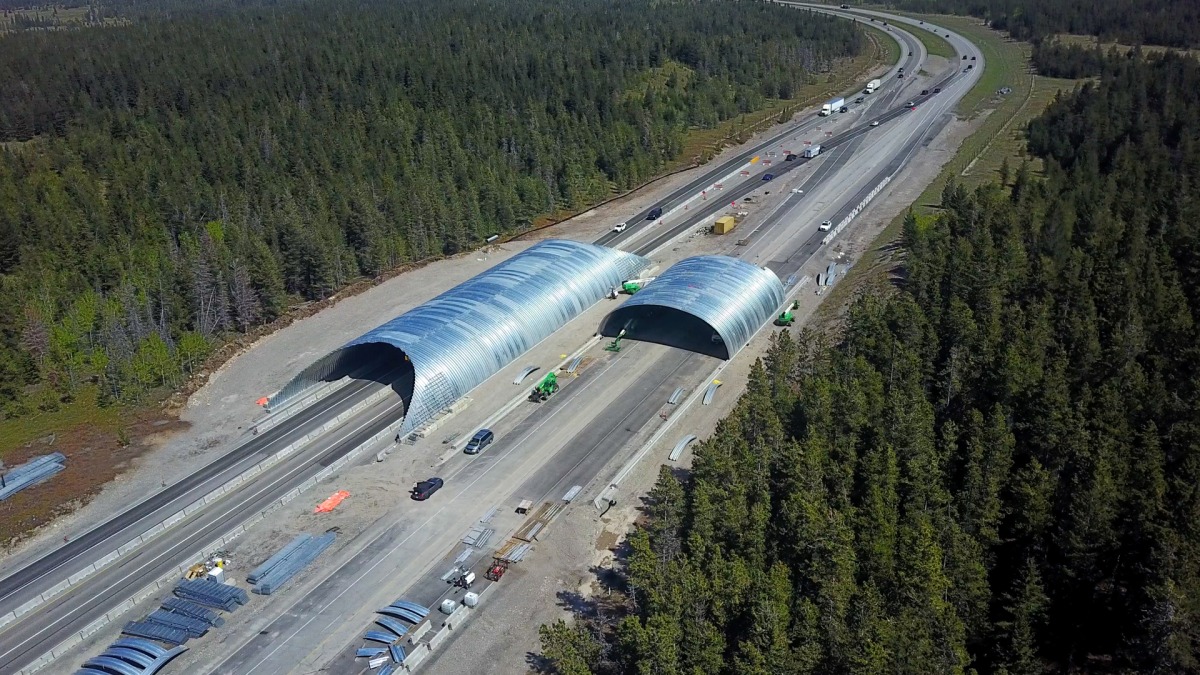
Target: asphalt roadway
pixel 543 455
pixel 37 632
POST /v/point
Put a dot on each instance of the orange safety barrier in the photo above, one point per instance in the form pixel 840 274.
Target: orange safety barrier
pixel 263 401
pixel 332 503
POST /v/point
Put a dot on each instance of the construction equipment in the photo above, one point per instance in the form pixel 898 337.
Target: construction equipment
pixel 214 563
pixel 545 388
pixel 631 286
pixel 497 570
pixel 787 318
pixel 465 581
pixel 615 345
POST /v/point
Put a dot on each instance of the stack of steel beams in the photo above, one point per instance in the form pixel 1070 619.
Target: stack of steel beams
pixel 31 473
pixel 279 569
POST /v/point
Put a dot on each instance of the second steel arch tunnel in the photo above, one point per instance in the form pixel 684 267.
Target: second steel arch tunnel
pixel 708 304
pixel 455 341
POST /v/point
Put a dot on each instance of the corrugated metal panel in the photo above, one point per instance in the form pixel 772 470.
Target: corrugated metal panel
pixel 675 396
pixel 524 374
pixel 712 391
pixel 733 297
pixel 677 451
pixel 465 335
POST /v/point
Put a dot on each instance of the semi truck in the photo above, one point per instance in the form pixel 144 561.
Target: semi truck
pixel 812 151
pixel 872 86
pixel 832 106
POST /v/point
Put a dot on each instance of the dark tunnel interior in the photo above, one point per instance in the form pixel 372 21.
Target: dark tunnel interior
pixel 375 361
pixel 665 326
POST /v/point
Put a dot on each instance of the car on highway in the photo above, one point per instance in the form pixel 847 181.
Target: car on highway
pixel 619 227
pixel 910 104
pixel 655 213
pixel 796 191
pixel 964 57
pixel 875 123
pixel 924 92
pixel 972 58
pixel 912 107
pixel 481 439
pixel 425 489
pixel 825 225
pixel 789 158
pixel 858 100
pixel 768 176
pixel 900 76
pixel 937 90
pixel 844 109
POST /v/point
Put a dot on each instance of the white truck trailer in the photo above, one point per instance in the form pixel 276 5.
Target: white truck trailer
pixel 872 86
pixel 812 151
pixel 832 106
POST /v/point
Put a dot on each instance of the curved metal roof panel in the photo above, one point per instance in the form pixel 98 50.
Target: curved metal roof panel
pixel 465 335
pixel 734 297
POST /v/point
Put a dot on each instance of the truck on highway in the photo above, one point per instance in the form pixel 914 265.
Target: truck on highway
pixel 872 86
pixel 812 151
pixel 832 106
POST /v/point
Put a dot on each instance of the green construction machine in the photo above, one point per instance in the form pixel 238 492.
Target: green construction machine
pixel 631 287
pixel 545 388
pixel 787 318
pixel 615 345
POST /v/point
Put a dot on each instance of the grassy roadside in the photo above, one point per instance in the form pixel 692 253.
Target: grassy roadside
pixel 996 137
pixel 935 44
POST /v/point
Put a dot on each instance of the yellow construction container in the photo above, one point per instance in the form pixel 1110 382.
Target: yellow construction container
pixel 724 225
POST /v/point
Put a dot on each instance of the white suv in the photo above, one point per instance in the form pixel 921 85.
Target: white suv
pixel 826 225
pixel 619 227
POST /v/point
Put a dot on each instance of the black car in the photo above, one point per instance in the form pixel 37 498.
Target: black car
pixel 924 92
pixel 655 213
pixel 972 58
pixel 964 57
pixel 425 489
pixel 858 100
pixel 844 109
pixel 766 177
pixel 938 90
pixel 789 158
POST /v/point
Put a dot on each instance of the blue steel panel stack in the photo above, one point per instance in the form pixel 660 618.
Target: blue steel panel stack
pixel 186 608
pixel 31 473
pixel 286 567
pixel 194 627
pixel 155 631
pixel 273 562
pixel 211 594
pixel 400 609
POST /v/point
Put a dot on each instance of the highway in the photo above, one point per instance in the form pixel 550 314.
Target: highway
pixel 564 442
pixel 540 456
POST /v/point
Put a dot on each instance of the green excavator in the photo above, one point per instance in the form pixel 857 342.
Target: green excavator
pixel 545 388
pixel 787 318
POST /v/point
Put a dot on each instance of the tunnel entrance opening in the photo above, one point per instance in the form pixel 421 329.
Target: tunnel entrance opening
pixel 372 361
pixel 666 326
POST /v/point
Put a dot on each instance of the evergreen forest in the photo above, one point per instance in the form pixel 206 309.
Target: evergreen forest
pixel 1170 23
pixel 170 181
pixel 995 468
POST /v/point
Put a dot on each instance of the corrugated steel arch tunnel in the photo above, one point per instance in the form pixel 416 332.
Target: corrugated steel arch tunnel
pixel 442 349
pixel 709 304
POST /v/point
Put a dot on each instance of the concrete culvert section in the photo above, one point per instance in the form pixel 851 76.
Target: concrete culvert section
pixel 435 353
pixel 707 304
